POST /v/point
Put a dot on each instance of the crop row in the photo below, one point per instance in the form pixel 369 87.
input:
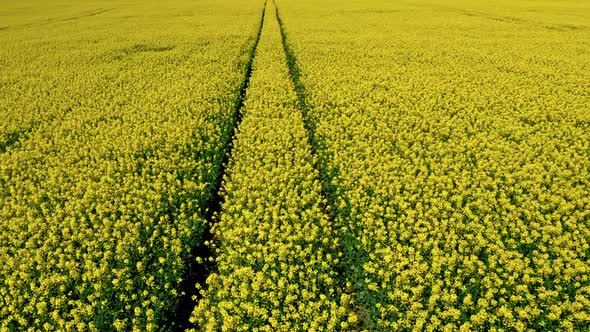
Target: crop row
pixel 100 207
pixel 457 151
pixel 274 245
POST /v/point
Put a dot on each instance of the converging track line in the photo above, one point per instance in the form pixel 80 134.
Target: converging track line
pixel 197 273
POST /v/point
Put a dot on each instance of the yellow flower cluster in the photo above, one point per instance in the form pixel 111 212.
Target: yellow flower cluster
pixel 276 249
pixel 100 205
pixel 458 140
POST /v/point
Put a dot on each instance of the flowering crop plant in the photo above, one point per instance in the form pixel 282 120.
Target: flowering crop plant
pixel 295 165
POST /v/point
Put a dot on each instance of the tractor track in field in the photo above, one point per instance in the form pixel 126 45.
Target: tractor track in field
pixel 88 14
pixel 197 273
pixel 330 191
pixel 52 20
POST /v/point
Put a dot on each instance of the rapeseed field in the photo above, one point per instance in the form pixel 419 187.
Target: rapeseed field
pixel 293 165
